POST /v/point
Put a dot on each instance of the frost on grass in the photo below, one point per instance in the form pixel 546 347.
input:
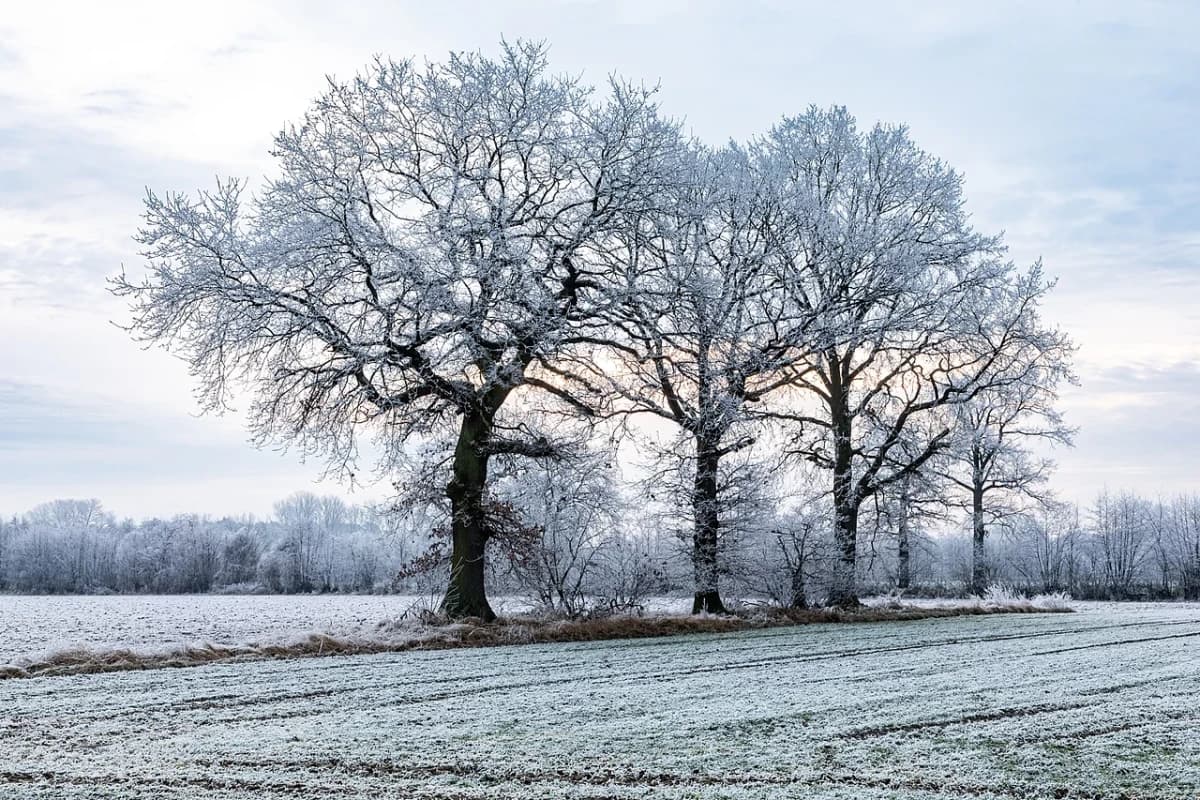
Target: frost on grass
pixel 996 599
pixel 421 628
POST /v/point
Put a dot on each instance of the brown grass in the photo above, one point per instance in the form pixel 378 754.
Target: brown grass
pixel 472 633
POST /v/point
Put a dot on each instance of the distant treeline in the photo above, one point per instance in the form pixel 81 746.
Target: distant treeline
pixel 315 544
pixel 1121 547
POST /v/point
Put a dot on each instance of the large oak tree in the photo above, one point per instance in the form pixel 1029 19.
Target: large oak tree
pixel 422 260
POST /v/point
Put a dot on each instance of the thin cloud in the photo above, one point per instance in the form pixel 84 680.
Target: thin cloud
pixel 1073 124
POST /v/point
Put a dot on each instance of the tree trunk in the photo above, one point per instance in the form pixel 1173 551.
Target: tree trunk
pixel 978 555
pixel 466 596
pixel 799 594
pixel 843 591
pixel 705 558
pixel 903 571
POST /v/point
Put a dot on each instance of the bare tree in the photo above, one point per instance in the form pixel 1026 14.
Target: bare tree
pixel 798 544
pixel 1183 533
pixel 576 507
pixel 420 265
pixel 308 548
pixel 905 293
pixel 1049 538
pixel 239 559
pixel 703 334
pixel 905 509
pixel 69 536
pixel 632 567
pixel 990 457
pixel 1122 527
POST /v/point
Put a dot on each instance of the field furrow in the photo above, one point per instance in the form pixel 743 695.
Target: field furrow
pixel 1104 707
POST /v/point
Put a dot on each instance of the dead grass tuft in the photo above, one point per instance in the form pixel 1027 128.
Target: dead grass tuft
pixel 403 635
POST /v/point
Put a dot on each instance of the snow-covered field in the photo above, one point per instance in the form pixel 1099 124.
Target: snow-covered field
pixel 35 625
pixel 1104 703
pixel 30 625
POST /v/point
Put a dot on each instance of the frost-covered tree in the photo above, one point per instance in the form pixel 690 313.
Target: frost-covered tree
pixel 1049 539
pixel 1182 534
pixel 905 293
pixel 784 557
pixel 239 559
pixel 420 264
pixel 1123 528
pixel 576 507
pixel 304 556
pixel 907 506
pixel 68 549
pixel 703 334
pixel 990 457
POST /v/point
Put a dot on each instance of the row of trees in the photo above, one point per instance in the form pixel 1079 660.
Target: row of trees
pixel 488 268
pixel 312 544
pixel 594 547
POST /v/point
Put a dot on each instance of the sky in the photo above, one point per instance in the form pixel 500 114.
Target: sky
pixel 1074 124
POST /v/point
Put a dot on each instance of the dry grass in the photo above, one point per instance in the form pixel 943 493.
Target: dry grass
pixel 432 633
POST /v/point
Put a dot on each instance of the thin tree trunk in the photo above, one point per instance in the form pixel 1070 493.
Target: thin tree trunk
pixel 705 556
pixel 466 595
pixel 799 594
pixel 979 572
pixel 903 571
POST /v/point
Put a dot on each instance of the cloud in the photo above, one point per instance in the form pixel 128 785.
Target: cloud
pixel 243 45
pixel 1139 428
pixel 71 201
pixel 125 102
pixel 137 459
pixel 51 162
pixel 1073 124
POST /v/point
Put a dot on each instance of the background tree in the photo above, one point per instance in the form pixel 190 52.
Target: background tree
pixel 421 263
pixel 1182 524
pixel 787 555
pixel 908 507
pixel 990 457
pixel 577 508
pixel 702 332
pixel 1049 544
pixel 903 290
pixel 239 559
pixel 1123 527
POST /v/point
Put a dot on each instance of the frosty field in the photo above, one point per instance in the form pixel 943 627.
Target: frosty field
pixel 1104 703
pixel 31 623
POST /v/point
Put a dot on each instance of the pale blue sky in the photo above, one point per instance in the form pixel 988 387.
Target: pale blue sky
pixel 1074 123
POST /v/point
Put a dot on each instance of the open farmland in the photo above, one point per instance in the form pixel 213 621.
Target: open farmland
pixel 1098 704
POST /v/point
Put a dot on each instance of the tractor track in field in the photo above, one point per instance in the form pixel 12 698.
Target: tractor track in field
pixel 327 778
pixel 796 658
pixel 617 675
pixel 953 710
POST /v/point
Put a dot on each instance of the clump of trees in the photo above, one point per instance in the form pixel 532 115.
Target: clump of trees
pixel 501 275
pixel 312 544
